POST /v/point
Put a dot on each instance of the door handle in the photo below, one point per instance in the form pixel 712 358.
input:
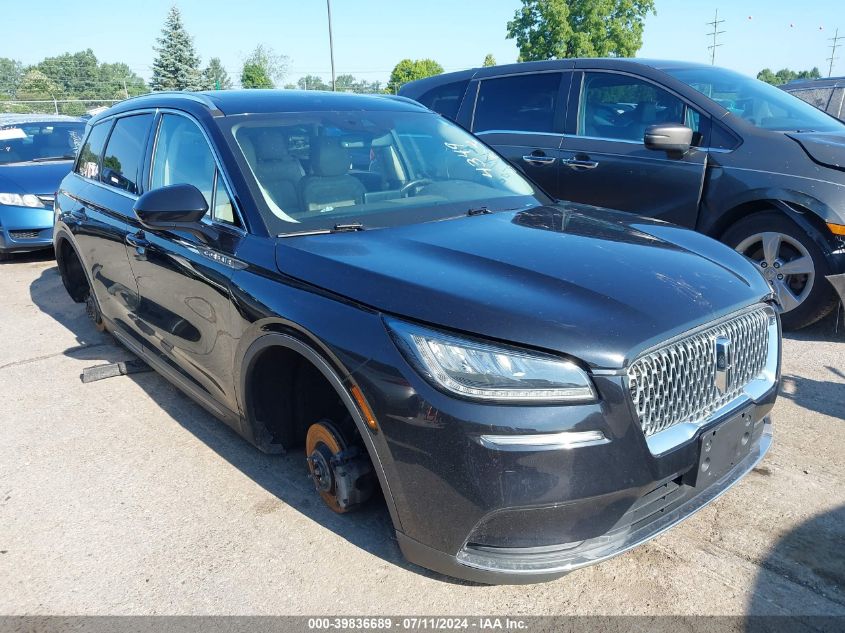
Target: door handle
pixel 538 160
pixel 579 164
pixel 137 240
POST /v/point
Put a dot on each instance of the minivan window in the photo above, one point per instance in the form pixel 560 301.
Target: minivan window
pixel 755 101
pixel 88 163
pixel 316 170
pixel 445 99
pixel 621 107
pixel 125 151
pixel 523 103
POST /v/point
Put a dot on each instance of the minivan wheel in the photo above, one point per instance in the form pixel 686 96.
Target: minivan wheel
pixel 792 263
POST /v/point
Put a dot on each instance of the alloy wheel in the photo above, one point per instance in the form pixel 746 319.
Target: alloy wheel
pixel 785 263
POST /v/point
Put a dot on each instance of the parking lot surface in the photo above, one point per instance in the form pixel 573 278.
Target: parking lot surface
pixel 123 497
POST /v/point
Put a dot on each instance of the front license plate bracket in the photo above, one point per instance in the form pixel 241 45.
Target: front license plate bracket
pixel 721 448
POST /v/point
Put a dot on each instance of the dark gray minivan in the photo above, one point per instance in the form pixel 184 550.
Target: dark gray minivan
pixel 700 146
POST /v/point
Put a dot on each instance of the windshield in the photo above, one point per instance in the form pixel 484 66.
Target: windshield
pixel 21 142
pixel 757 102
pixel 319 170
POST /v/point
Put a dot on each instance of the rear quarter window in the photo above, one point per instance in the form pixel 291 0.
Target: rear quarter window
pixel 91 153
pixel 445 99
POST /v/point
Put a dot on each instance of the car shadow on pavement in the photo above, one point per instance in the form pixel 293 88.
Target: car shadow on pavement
pixel 803 576
pixel 822 396
pixel 829 329
pixel 283 476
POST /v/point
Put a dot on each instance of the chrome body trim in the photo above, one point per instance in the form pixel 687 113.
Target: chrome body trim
pixel 544 441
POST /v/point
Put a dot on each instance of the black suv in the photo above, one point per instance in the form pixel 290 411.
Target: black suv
pixel 703 147
pixel 532 386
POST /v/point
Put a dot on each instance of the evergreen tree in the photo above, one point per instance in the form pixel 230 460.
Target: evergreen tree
pixel 215 76
pixel 177 65
pixel 489 60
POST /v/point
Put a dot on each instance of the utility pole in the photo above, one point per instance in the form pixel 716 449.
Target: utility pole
pixel 331 43
pixel 716 33
pixel 835 39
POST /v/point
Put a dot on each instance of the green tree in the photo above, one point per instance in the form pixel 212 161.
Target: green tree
pixel 312 82
pixel 177 65
pixel 215 76
pixel 785 75
pixel 117 81
pixel 11 73
pixel 549 29
pixel 411 70
pixel 263 66
pixel 489 60
pixel 36 86
pixel 255 76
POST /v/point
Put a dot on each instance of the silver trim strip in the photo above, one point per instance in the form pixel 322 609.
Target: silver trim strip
pixel 544 441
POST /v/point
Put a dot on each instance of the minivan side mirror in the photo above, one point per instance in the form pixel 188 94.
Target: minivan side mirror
pixel 672 138
pixel 173 208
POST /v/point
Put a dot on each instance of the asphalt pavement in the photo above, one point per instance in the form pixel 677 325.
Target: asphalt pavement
pixel 121 496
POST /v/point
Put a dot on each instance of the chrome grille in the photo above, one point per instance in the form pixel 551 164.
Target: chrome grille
pixel 677 383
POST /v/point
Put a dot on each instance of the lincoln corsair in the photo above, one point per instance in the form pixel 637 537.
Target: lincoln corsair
pixel 532 386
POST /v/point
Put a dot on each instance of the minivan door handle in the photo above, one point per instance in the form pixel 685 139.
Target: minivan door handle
pixel 579 163
pixel 538 160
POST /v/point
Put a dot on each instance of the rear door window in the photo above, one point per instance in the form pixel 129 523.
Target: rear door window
pixel 520 103
pixel 125 152
pixel 88 163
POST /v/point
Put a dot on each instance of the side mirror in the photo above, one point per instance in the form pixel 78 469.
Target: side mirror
pixel 672 138
pixel 173 208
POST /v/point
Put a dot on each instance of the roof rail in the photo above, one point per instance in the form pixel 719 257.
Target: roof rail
pixel 197 97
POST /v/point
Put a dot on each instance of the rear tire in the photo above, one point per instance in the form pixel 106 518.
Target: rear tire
pixel 793 264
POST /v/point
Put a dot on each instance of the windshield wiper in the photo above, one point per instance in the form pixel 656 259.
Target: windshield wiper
pixel 46 159
pixel 479 211
pixel 350 227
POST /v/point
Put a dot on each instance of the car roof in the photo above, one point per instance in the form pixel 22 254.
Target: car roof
pixel 232 102
pixel 416 88
pixel 8 118
pixel 825 82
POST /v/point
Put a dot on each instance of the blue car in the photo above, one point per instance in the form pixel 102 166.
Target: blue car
pixel 36 152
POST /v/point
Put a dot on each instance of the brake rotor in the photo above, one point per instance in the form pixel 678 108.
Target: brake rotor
pixel 323 443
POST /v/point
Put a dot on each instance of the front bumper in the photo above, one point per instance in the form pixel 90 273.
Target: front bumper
pixel 24 229
pixel 665 506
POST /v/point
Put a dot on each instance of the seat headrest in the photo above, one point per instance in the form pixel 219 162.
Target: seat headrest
pixel 270 145
pixel 328 156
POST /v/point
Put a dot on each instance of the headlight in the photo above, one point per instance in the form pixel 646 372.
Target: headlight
pixel 18 200
pixel 484 371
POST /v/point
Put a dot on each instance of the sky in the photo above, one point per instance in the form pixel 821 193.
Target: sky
pixel 370 36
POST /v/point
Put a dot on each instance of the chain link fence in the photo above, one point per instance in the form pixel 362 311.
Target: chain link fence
pixel 72 107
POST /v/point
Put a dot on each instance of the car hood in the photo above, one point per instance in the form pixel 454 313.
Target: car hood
pixel 825 148
pixel 37 178
pixel 598 285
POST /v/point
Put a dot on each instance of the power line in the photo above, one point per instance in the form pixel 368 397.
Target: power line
pixel 716 33
pixel 835 39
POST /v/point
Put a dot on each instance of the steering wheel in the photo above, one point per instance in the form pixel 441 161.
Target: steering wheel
pixel 413 185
